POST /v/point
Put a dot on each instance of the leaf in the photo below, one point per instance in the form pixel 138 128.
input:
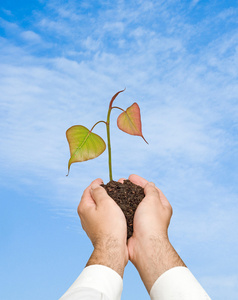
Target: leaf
pixel 114 97
pixel 130 121
pixel 83 144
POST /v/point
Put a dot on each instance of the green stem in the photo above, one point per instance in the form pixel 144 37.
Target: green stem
pixel 96 124
pixel 109 144
pixel 108 134
pixel 118 108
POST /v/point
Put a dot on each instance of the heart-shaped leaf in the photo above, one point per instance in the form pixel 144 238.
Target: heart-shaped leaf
pixel 130 121
pixel 83 144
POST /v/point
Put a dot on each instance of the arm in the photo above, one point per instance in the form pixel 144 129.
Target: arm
pixel 105 225
pixel 149 247
pixel 161 269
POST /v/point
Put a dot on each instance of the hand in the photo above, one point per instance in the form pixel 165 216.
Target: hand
pixel 105 224
pixel 153 215
pixel 149 247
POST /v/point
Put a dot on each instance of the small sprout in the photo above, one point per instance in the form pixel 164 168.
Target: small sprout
pixel 85 145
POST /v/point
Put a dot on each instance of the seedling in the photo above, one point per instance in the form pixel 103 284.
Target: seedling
pixel 85 145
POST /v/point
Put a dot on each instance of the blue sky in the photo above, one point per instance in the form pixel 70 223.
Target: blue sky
pixel 60 63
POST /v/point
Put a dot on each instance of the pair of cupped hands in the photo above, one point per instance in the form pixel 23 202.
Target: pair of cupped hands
pixel 105 224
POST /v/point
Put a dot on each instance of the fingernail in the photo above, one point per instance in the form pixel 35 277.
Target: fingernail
pixel 152 184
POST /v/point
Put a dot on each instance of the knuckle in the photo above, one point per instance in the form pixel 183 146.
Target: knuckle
pixel 152 191
pixel 169 209
pixel 155 195
pixel 80 209
pixel 97 191
pixel 100 194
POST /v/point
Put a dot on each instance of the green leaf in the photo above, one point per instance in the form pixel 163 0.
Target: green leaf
pixel 83 144
pixel 130 121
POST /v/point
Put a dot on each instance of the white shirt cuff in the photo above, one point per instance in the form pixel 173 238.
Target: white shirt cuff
pixel 178 283
pixel 100 278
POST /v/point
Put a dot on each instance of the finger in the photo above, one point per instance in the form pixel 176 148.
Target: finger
pixel 86 199
pixel 97 181
pixel 138 180
pixel 151 191
pixel 164 200
pixel 98 193
pixel 121 180
pixel 142 182
pixel 86 193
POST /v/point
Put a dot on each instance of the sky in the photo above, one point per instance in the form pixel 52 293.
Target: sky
pixel 60 64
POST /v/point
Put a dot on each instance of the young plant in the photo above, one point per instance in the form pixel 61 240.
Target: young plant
pixel 85 145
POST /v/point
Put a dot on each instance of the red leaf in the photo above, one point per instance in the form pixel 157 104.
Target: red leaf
pixel 130 121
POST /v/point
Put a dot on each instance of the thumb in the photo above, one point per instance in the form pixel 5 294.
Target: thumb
pixel 98 193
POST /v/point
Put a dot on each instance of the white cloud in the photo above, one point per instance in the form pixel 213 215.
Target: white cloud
pixel 7 12
pixel 179 122
pixel 221 287
pixel 56 27
pixel 185 85
pixel 9 27
pixel 187 98
pixel 194 3
pixel 91 44
pixel 31 36
pixel 222 281
pixel 115 27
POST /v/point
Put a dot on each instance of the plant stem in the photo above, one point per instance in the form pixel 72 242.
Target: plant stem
pixel 118 108
pixel 108 134
pixel 109 144
pixel 96 124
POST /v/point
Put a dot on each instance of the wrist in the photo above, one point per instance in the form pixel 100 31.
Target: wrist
pixel 145 247
pixel 153 257
pixel 110 253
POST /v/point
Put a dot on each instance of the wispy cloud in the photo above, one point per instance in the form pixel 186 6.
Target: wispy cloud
pixel 194 3
pixel 220 285
pixel 31 36
pixel 183 74
pixel 187 93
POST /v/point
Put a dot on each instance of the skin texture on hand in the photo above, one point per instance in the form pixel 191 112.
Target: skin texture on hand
pixel 105 224
pixel 149 248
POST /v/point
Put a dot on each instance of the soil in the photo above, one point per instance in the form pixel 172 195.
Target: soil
pixel 128 196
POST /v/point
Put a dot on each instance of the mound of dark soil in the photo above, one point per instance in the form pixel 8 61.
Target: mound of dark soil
pixel 128 196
